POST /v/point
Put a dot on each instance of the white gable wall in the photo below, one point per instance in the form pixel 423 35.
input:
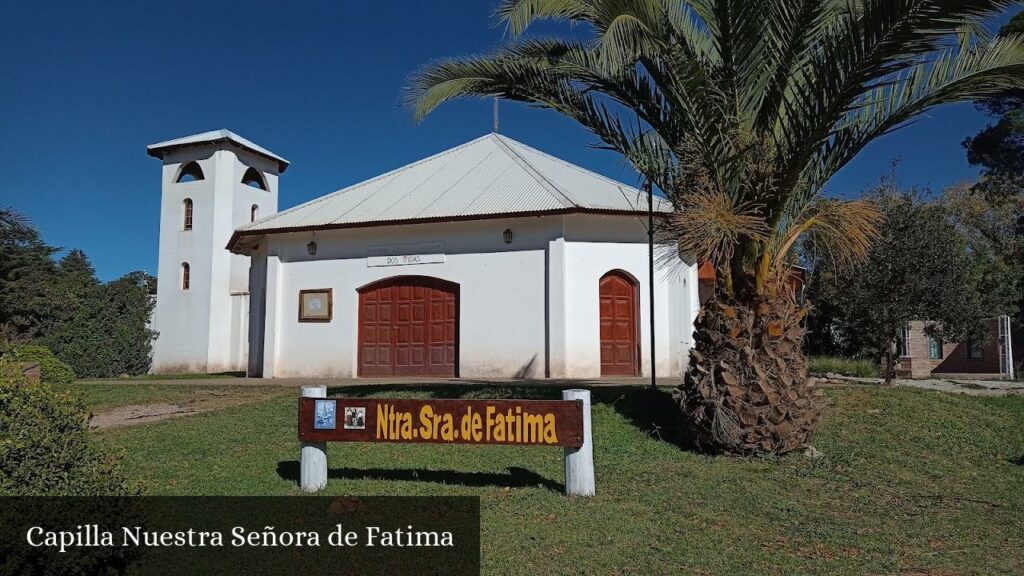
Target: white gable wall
pixel 501 315
pixel 528 309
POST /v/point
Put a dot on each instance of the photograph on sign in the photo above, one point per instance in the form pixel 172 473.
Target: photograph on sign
pixel 355 418
pixel 324 415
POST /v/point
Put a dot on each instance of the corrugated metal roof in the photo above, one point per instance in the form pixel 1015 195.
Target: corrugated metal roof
pixel 492 175
pixel 221 135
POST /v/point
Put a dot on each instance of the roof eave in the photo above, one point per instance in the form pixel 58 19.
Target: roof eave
pixel 158 151
pixel 237 236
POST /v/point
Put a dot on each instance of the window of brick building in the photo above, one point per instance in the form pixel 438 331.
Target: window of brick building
pixel 185 276
pixel 903 345
pixel 188 213
pixel 974 348
pixel 934 348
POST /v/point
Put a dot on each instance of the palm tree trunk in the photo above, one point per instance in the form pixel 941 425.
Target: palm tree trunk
pixel 746 389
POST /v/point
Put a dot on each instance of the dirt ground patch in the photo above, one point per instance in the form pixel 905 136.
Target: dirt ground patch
pixel 197 402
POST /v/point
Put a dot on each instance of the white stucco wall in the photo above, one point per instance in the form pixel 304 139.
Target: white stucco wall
pixel 239 350
pixel 596 245
pixel 199 328
pixel 501 300
pixel 527 309
pixel 182 317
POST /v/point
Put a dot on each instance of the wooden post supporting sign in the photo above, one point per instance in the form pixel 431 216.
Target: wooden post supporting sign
pixel 564 423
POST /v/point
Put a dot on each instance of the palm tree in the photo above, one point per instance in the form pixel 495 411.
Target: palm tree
pixel 741 112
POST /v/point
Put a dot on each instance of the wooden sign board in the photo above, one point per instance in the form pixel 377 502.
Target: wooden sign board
pixel 512 422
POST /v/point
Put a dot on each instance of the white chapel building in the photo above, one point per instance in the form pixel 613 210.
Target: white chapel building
pixel 488 260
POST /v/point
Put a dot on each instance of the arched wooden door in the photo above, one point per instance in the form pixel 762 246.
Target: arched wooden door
pixel 619 353
pixel 409 326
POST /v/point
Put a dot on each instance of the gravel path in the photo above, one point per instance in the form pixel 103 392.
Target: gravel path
pixel 969 387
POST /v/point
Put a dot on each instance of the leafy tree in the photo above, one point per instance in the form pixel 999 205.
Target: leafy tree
pixel 920 269
pixel 741 112
pixel 999 148
pixel 100 330
pixel 997 219
pixel 993 224
pixel 994 231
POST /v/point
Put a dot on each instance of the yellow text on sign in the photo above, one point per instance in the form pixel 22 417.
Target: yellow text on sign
pixel 513 426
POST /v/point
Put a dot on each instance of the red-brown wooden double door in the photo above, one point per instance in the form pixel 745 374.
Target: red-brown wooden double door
pixel 409 326
pixel 619 351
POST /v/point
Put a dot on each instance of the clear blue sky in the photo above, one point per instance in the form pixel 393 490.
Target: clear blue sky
pixel 87 85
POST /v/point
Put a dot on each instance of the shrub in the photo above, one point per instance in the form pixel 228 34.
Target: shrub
pixel 53 370
pixel 45 447
pixel 858 367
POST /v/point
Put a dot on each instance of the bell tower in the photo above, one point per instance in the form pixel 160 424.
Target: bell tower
pixel 211 183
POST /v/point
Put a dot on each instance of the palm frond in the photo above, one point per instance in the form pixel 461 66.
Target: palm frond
pixel 707 224
pixel 12 223
pixel 518 15
pixel 742 108
pixel 842 230
pixel 530 72
pixel 953 76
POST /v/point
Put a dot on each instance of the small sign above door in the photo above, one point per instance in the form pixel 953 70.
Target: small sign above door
pixel 406 254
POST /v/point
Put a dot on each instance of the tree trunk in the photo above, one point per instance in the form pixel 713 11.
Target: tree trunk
pixel 890 364
pixel 746 389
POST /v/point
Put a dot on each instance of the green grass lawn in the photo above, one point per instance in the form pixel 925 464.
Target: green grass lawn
pixel 859 367
pixel 912 482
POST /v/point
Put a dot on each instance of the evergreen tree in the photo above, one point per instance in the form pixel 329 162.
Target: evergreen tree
pixel 26 297
pixel 100 330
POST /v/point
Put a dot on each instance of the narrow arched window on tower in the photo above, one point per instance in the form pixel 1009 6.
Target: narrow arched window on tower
pixel 188 213
pixel 189 172
pixel 252 177
pixel 254 213
pixel 184 276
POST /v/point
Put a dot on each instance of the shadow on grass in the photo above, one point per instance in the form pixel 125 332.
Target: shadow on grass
pixel 515 478
pixel 651 411
pixel 1019 461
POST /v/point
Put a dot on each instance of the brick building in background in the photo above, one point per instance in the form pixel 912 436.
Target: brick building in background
pixel 922 356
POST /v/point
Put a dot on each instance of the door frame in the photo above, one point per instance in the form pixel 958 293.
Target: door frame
pixel 391 281
pixel 637 350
